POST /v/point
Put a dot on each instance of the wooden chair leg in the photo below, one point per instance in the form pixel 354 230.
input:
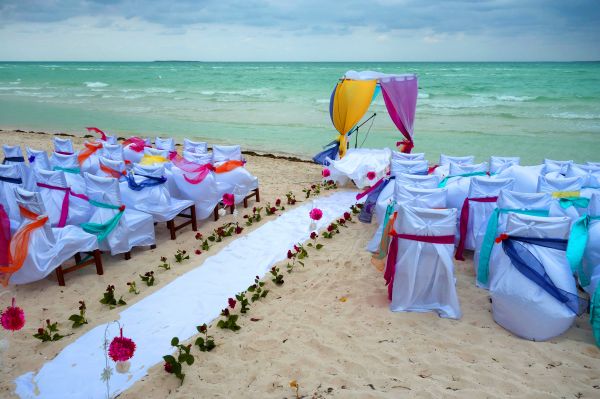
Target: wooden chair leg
pixel 127 255
pixel 232 209
pixel 60 276
pixel 153 246
pixel 257 195
pixel 216 213
pixel 194 221
pixel 77 258
pixel 171 227
pixel 98 261
pixel 245 202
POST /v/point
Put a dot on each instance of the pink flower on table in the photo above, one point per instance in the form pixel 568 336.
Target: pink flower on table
pixel 13 318
pixel 325 172
pixel 371 175
pixel 228 199
pixel 316 214
pixel 121 348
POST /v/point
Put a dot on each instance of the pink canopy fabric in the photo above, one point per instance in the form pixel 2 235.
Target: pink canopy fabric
pixel 400 96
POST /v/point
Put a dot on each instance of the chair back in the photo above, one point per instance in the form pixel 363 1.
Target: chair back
pixel 414 167
pixel 447 159
pixel 63 145
pixel 408 157
pixel 421 197
pixel 222 153
pixel 498 164
pixel 165 144
pixel 198 147
pixel 38 159
pixel 423 181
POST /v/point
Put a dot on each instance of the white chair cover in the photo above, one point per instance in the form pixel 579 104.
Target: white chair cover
pixel 551 165
pixel 134 229
pixel 357 163
pixel 154 200
pixel 10 178
pixel 498 164
pixel 443 168
pixel 238 182
pixel 39 159
pixel 63 145
pixel 520 305
pixel 113 151
pixel 90 164
pixel 510 199
pixel 109 168
pixel 131 155
pixel 205 194
pixel 201 158
pixel 75 180
pixel 156 152
pixel 199 147
pixel 223 153
pixel 48 247
pixel 590 173
pixel 591 259
pixel 424 278
pixel 479 212
pixel 79 209
pixel 109 140
pixel 15 151
pixel 165 144
pixel 593 163
pixel 417 156
pixel 419 196
pixel 557 184
pixel 416 167
pixel 458 186
pixel 526 177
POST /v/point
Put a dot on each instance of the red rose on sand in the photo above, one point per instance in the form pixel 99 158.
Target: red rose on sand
pixel 121 348
pixel 296 248
pixel 198 236
pixel 313 235
pixel 168 368
pixel 40 330
pixel 330 228
pixel 13 318
pixel 225 312
pixel 347 216
pixel 290 255
pixel 231 303
pixel 238 230
pixel 371 175
pixel 278 202
pixel 273 209
pixel 228 199
pixel 313 186
pixel 198 252
pixel 316 214
pixel 325 173
pixel 203 328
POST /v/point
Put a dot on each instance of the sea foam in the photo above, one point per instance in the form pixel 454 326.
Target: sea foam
pixel 95 84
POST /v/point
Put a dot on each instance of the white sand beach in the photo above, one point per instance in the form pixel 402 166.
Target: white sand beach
pixel 328 327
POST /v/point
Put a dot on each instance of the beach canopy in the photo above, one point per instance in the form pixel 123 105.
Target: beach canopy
pixel 352 96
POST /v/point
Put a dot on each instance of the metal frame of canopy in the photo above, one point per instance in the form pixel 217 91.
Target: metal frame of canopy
pixel 352 97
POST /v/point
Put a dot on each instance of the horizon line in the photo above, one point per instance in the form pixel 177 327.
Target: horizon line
pixel 296 61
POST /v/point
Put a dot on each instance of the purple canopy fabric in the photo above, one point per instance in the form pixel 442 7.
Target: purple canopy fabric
pixel 400 96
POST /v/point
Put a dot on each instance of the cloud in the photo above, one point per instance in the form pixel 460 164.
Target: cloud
pixel 572 27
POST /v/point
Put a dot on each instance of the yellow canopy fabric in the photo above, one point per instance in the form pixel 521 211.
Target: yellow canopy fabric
pixel 350 103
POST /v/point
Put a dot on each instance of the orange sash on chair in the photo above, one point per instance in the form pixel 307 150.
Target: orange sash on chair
pixel 228 166
pixel 89 149
pixel 112 172
pixel 19 245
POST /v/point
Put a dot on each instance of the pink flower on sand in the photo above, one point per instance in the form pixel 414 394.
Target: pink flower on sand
pixel 13 318
pixel 316 214
pixel 121 348
pixel 371 175
pixel 228 199
pixel 325 173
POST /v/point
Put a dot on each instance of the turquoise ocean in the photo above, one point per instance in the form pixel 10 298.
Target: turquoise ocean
pixel 532 110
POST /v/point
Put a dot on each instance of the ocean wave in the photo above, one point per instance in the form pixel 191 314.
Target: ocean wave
pixel 322 101
pixel 89 69
pixel 156 90
pixel 573 115
pixel 95 84
pixel 422 95
pixel 16 82
pixel 84 95
pixel 516 98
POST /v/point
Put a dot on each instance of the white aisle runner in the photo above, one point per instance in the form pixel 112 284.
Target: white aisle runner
pixel 192 299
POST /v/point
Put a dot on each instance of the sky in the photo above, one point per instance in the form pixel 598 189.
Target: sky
pixel 300 30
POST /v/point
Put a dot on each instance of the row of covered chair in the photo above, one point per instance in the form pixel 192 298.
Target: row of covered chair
pixel 99 193
pixel 534 231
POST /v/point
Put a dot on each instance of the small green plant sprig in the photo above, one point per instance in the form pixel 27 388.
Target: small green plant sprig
pixel 316 245
pixel 356 208
pixel 329 185
pixel 204 245
pixel 254 217
pixel 291 198
pixel 332 230
pixel 164 264
pixel 243 300
pixel 132 287
pixel 174 365
pixel 108 298
pixel 257 290
pixel 296 256
pixel 314 190
pixel 48 332
pixel 206 343
pixel 230 321
pixel 181 255
pixel 148 278
pixel 79 319
pixel 277 277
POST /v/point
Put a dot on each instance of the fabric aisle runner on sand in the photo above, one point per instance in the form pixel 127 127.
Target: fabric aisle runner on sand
pixel 192 299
